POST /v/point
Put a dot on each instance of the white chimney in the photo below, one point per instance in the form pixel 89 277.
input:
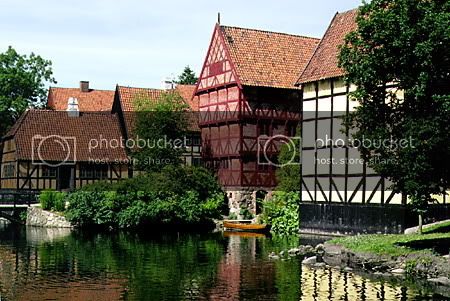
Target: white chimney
pixel 168 83
pixel 72 107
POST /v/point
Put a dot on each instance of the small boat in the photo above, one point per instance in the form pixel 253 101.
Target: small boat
pixel 244 226
pixel 244 234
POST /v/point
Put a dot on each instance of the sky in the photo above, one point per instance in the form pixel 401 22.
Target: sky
pixel 140 43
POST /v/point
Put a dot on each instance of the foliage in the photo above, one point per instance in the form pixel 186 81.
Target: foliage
pixel 288 175
pixel 187 77
pixel 282 213
pixel 245 213
pixel 386 244
pixel 53 200
pixel 23 216
pixel 22 85
pixel 406 43
pixel 176 195
pixel 162 123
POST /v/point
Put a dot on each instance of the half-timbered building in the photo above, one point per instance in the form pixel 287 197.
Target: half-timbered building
pixel 62 150
pixel 339 190
pixel 248 101
pixel 125 105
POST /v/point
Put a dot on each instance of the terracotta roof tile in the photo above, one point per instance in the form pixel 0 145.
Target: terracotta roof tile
pixel 324 62
pixel 128 95
pixel 92 101
pixel 268 59
pixel 78 131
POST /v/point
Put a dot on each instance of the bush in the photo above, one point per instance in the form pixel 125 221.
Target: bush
pixel 282 213
pixel 53 200
pixel 176 195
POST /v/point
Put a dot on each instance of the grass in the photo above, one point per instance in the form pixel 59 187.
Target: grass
pixel 386 244
pixel 441 228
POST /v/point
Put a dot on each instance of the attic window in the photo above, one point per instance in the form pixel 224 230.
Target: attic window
pixel 230 39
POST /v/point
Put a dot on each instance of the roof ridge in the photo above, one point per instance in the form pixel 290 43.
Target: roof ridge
pixel 269 31
pixel 142 88
pixel 317 48
pixel 90 90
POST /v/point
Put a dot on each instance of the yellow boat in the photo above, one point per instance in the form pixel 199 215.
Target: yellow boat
pixel 244 226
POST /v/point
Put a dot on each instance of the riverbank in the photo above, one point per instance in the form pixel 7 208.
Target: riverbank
pixel 420 256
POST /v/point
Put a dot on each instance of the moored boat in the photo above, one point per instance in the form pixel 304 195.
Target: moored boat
pixel 244 226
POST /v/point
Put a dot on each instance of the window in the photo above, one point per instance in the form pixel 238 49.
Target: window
pixel 196 141
pixel 196 161
pixel 9 170
pixel 48 172
pixel 264 129
pixel 93 171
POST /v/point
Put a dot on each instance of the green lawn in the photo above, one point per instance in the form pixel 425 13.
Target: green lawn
pixel 441 228
pixel 385 244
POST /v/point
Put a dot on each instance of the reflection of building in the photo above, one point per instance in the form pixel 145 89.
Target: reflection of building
pixel 247 94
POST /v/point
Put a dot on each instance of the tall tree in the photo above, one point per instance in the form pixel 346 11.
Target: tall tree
pixel 405 43
pixel 161 126
pixel 187 77
pixel 22 85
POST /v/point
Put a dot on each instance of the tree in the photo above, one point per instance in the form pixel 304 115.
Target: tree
pixel 405 43
pixel 22 85
pixel 187 77
pixel 288 175
pixel 161 126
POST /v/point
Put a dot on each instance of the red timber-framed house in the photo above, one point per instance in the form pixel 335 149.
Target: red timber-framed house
pixel 247 96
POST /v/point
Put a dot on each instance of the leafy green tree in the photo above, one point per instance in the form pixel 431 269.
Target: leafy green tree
pixel 161 124
pixel 22 85
pixel 187 77
pixel 288 175
pixel 405 43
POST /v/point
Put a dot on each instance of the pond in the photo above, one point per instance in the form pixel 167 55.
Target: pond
pixel 46 264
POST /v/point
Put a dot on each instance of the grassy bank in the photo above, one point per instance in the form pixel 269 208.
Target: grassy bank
pixel 391 245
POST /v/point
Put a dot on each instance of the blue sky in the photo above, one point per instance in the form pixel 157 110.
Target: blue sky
pixel 138 43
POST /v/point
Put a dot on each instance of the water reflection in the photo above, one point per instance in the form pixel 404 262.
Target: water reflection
pixel 37 264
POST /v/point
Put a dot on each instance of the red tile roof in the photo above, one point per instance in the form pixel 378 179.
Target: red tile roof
pixel 79 132
pixel 268 59
pixel 92 101
pixel 128 96
pixel 324 62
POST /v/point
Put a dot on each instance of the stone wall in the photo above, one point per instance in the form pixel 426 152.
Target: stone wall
pixel 244 197
pixel 41 218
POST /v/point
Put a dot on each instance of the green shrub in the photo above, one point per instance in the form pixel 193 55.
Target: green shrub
pixel 282 213
pixel 135 208
pixel 53 200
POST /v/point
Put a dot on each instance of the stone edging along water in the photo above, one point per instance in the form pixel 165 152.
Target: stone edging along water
pixel 430 268
pixel 41 218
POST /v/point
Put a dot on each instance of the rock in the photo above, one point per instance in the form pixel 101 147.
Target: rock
pixel 294 251
pixel 348 269
pixel 319 248
pixel 319 264
pixel 282 253
pixel 440 280
pixel 378 274
pixel 309 260
pixel 273 256
pixel 398 271
pixel 446 257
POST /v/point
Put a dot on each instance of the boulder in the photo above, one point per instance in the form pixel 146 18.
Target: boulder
pixel 310 260
pixel 440 280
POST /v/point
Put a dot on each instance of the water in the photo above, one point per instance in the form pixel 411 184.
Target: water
pixel 45 264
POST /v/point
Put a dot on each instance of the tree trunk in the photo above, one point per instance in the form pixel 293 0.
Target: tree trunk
pixel 420 223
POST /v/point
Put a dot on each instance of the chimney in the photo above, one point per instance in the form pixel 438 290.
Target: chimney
pixel 168 84
pixel 84 86
pixel 72 107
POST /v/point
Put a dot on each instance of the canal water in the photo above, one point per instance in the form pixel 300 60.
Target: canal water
pixel 56 264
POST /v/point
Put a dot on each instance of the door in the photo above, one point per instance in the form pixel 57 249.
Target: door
pixel 65 177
